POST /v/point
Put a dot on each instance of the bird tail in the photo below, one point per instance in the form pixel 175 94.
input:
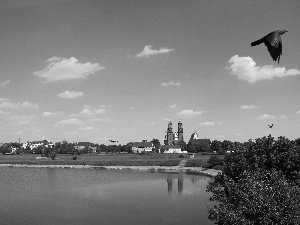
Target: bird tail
pixel 257 42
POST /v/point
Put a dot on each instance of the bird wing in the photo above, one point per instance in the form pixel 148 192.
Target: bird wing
pixel 274 45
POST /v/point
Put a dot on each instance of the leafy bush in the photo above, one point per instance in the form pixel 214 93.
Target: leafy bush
pixel 74 157
pixel 215 161
pixel 260 184
pixel 262 197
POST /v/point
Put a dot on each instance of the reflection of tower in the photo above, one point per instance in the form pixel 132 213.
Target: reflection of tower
pixel 180 183
pixel 170 185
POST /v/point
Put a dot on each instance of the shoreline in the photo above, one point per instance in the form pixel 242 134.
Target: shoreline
pixel 199 170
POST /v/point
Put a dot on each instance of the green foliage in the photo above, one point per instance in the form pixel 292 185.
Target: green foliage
pixel 215 161
pixel 261 197
pixel 259 184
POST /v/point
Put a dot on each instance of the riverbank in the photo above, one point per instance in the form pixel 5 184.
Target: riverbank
pixel 199 170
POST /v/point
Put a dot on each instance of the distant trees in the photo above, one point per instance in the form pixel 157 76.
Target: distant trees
pixel 260 184
pixel 156 144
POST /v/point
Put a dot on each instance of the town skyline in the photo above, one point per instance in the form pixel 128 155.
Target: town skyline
pixel 108 70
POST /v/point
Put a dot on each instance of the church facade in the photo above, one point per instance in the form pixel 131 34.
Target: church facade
pixel 173 138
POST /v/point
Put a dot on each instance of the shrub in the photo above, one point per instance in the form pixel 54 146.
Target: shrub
pixel 215 161
pixel 74 157
pixel 260 184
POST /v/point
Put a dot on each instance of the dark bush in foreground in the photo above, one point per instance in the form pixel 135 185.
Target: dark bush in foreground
pixel 74 157
pixel 260 184
pixel 215 161
pixel 262 197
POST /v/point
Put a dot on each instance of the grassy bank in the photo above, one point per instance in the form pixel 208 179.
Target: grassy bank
pixel 108 160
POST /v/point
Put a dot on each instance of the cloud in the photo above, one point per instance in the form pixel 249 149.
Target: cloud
pixel 12 105
pixel 88 111
pixel 207 124
pixel 99 120
pixel 72 121
pixel 283 117
pixel 171 83
pixel 52 114
pixel 245 69
pixel 22 120
pixel 87 128
pixel 148 51
pixel 188 113
pixel 248 107
pixel 70 94
pixel 60 68
pixel 298 112
pixel 4 83
pixel 173 106
pixel 266 117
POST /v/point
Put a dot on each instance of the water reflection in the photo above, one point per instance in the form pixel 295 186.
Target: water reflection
pixel 179 179
pixel 78 197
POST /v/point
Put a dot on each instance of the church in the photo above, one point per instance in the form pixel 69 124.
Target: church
pixel 173 138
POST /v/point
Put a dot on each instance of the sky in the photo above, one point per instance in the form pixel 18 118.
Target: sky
pixel 100 70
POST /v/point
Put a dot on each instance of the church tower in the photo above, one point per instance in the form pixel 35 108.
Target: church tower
pixel 170 136
pixel 180 131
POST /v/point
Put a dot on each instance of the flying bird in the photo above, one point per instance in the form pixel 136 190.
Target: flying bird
pixel 113 141
pixel 270 126
pixel 273 43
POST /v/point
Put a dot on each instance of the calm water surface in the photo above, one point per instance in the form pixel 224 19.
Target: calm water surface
pixel 38 196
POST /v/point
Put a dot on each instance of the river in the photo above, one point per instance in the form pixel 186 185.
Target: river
pixel 51 196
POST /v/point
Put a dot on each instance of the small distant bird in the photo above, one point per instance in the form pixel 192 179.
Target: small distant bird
pixel 270 126
pixel 273 43
pixel 113 141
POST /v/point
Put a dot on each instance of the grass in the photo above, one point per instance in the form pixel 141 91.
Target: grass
pixel 108 160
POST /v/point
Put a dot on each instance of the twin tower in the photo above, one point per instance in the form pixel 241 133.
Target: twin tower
pixel 173 138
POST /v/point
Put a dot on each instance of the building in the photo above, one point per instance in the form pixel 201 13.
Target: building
pixel 82 145
pixel 144 146
pixel 173 138
pixel 200 143
pixel 35 144
pixel 171 149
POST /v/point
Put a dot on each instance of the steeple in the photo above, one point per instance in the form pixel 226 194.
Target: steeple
pixel 180 131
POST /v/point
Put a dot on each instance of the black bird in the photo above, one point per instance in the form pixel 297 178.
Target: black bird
pixel 113 141
pixel 270 126
pixel 273 43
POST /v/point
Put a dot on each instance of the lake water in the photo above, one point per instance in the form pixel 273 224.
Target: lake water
pixel 44 196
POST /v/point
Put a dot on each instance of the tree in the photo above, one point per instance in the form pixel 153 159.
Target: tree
pixel 261 197
pixel 216 146
pixel 156 144
pixel 259 184
pixel 182 145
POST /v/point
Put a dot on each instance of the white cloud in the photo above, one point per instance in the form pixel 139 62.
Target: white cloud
pixel 207 124
pixel 60 68
pixel 298 112
pixel 99 120
pixel 12 105
pixel 188 113
pixel 70 94
pixel 72 121
pixel 245 69
pixel 87 128
pixel 4 83
pixel 171 83
pixel 266 116
pixel 21 120
pixel 173 106
pixel 148 51
pixel 88 111
pixel 4 100
pixel 248 107
pixel 47 114
pixel 52 114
